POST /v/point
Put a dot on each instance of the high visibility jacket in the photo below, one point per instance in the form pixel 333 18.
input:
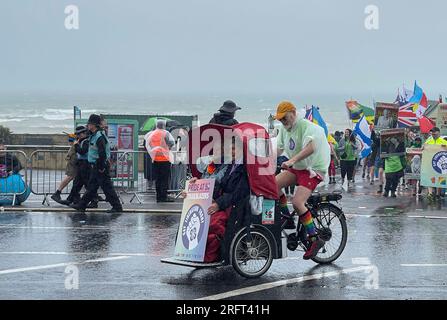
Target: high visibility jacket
pixel 439 141
pixel 93 153
pixel 156 145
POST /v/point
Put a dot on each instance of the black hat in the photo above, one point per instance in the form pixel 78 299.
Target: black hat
pixel 435 129
pixel 229 106
pixel 80 129
pixel 95 120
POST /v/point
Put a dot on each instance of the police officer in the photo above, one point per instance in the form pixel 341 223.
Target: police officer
pixel 98 157
pixel 83 172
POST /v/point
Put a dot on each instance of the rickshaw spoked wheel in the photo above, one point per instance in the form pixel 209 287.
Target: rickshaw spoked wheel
pixel 254 259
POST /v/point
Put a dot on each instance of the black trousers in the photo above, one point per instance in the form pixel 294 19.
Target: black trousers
pixel 162 174
pixel 103 180
pixel 347 168
pixel 81 180
pixel 392 181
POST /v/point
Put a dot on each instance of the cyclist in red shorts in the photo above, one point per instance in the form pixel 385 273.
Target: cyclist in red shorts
pixel 306 146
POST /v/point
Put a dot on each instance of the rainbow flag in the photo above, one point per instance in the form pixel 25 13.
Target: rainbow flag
pixel 356 111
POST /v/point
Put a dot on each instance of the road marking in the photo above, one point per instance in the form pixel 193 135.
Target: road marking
pixel 361 215
pixel 428 217
pixel 7 226
pixel 281 283
pixel 60 265
pixel 423 265
pixel 136 254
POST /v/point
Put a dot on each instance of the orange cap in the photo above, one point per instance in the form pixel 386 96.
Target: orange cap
pixel 283 108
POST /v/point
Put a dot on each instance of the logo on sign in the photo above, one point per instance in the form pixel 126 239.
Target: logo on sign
pixel 193 227
pixel 439 162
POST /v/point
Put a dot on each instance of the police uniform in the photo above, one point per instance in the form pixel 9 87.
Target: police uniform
pixel 98 157
pixel 83 172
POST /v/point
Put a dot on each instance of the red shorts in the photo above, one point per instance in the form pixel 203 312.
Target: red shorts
pixel 303 179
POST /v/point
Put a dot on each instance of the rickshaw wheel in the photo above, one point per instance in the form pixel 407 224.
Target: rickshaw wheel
pixel 253 261
pixel 331 224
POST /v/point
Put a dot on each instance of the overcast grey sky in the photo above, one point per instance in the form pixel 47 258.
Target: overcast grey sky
pixel 202 46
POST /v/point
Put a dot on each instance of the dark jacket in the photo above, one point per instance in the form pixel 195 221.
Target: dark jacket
pixel 224 118
pixel 82 147
pixel 233 188
pixel 11 162
pixel 102 162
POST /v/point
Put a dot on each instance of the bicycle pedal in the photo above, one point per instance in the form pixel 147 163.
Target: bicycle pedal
pixel 292 242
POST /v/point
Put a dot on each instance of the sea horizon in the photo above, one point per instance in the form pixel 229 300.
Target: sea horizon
pixel 46 112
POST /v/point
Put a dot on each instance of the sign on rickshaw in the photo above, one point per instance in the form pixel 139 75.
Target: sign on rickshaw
pixel 434 166
pixel 413 163
pixel 194 222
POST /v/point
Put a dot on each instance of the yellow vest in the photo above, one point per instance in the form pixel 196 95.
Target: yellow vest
pixel 440 141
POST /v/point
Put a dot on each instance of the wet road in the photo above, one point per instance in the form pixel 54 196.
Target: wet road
pixel 396 250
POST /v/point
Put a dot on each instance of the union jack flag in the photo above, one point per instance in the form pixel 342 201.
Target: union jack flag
pixel 407 117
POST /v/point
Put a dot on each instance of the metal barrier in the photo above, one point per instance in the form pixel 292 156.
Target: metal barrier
pixel 142 183
pixel 12 161
pixel 47 169
pixel 44 170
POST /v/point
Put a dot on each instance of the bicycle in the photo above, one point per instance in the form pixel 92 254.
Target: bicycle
pixel 330 223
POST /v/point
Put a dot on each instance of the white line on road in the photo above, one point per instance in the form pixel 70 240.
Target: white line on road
pixel 54 228
pixel 60 265
pixel 423 265
pixel 428 217
pixel 136 254
pixel 270 285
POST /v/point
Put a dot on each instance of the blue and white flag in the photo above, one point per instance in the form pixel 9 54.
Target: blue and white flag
pixel 363 132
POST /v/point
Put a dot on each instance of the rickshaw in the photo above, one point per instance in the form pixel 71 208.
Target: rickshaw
pixel 255 233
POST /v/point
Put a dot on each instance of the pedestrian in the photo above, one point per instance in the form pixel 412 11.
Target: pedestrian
pixel 158 144
pixel 226 114
pixel 98 157
pixel 375 149
pixel 332 171
pixel 394 171
pixel 9 163
pixel 83 172
pixel 347 148
pixel 365 173
pixel 417 143
pixel 70 170
pixel 380 167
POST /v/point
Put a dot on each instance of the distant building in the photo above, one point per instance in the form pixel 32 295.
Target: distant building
pixel 432 109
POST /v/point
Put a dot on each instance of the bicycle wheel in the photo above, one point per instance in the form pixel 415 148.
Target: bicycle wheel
pixel 253 261
pixel 332 228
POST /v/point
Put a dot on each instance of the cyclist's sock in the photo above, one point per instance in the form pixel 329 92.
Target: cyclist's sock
pixel 283 205
pixel 308 223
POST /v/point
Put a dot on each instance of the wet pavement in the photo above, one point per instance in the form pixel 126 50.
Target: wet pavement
pixel 396 250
